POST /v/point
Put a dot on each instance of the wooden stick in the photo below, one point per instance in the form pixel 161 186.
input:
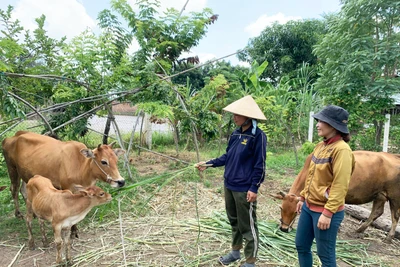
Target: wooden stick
pixel 16 256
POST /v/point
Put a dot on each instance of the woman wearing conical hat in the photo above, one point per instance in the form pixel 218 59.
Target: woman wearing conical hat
pixel 244 162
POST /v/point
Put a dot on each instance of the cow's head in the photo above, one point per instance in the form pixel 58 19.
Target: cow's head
pixel 288 210
pixel 104 163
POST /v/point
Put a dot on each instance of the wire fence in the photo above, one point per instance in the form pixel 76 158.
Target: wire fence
pixel 125 124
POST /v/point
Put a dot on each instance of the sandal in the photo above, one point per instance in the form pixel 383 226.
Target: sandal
pixel 227 259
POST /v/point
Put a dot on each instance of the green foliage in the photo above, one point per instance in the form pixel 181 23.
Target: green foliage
pixel 307 148
pixel 157 109
pixel 360 56
pixel 163 37
pixel 9 106
pixel 285 46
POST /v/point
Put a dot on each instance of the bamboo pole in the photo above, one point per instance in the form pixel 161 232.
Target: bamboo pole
pixel 119 139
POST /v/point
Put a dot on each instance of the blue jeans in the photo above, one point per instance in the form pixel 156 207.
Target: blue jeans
pixel 307 230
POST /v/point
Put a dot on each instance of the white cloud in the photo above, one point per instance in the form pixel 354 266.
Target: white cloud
pixel 262 22
pixel 63 18
pixel 244 64
pixel 193 5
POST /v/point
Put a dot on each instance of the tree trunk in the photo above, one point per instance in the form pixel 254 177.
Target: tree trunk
pixel 107 130
pixel 378 135
pixel 361 213
pixel 176 137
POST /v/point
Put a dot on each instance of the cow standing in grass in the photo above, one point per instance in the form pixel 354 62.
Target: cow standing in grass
pixel 64 163
pixel 60 207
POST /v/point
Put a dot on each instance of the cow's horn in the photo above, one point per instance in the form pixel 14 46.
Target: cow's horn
pixel 112 143
pixel 282 194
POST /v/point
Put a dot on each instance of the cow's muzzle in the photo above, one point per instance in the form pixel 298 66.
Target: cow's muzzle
pixel 118 183
pixel 285 230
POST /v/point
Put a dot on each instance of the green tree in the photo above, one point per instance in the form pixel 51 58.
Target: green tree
pixel 285 47
pixel 360 54
pixel 30 53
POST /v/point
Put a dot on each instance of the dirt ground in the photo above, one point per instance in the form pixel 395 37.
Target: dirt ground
pixel 169 234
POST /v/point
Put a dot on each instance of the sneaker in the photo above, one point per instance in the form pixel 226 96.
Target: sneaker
pixel 227 259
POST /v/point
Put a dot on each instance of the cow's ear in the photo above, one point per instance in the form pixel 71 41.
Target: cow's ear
pixel 87 153
pixel 119 151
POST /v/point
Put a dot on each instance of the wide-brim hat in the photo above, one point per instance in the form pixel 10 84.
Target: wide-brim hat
pixel 335 116
pixel 246 106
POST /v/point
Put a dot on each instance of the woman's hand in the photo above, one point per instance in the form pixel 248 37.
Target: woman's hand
pixel 299 206
pixel 251 196
pixel 201 165
pixel 324 222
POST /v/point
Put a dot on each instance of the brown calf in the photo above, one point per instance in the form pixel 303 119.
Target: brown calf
pixel 60 207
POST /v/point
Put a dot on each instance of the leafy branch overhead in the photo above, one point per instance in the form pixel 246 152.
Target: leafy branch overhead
pixel 164 37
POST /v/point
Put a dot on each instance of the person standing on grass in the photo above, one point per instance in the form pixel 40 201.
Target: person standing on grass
pixel 321 202
pixel 244 163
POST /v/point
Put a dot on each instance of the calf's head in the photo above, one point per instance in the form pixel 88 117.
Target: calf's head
pixel 97 195
pixel 104 163
pixel 288 210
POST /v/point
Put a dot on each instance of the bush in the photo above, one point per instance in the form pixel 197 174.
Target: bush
pixel 307 148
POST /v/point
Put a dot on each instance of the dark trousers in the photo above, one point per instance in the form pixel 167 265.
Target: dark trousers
pixel 307 230
pixel 243 220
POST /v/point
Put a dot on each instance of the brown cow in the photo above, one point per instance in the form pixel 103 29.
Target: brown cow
pixel 65 163
pixel 60 207
pixel 376 178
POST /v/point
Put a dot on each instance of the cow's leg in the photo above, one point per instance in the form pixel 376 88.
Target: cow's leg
pixel 15 185
pixel 59 242
pixel 15 182
pixel 395 213
pixel 23 190
pixel 43 232
pixel 378 207
pixel 74 231
pixel 29 217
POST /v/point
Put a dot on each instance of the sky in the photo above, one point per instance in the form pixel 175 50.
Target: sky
pixel 238 20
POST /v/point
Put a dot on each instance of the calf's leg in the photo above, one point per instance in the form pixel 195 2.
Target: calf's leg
pixel 59 242
pixel 43 231
pixel 67 244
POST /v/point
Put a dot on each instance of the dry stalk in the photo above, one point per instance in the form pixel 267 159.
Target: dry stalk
pixel 16 256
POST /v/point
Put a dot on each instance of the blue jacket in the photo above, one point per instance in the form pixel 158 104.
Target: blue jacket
pixel 244 160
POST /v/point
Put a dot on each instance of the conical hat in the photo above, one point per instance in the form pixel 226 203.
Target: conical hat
pixel 246 106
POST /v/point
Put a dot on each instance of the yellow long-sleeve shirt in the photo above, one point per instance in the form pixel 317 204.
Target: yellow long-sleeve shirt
pixel 328 177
